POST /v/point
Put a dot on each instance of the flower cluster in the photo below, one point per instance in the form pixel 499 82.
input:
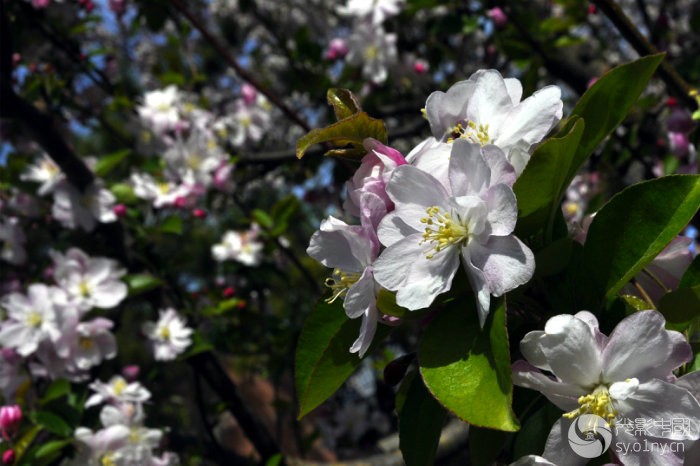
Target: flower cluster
pixel 449 201
pixel 240 246
pixel 369 44
pixel 627 375
pixel 47 326
pixel 123 439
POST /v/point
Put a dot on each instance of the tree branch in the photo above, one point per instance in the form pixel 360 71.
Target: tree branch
pixel 675 83
pixel 242 72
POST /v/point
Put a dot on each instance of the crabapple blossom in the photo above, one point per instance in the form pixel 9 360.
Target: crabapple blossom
pixel 159 111
pixel 94 343
pixel 434 225
pixel 75 209
pixel 486 109
pixel 194 159
pixel 10 419
pixel 241 246
pixel 161 194
pixel 351 250
pixel 624 376
pixel 117 390
pixel 45 171
pixel 374 49
pixel 169 336
pixel 32 318
pixel 89 281
pixel 372 175
pixel 375 10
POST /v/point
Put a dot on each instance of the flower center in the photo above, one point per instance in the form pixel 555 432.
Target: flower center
pixel 340 282
pixel 118 386
pixel 84 289
pixel 164 188
pixel 371 52
pixel 599 403
pixel 85 343
pixel 164 333
pixel 107 460
pixel 471 132
pixel 442 230
pixel 34 319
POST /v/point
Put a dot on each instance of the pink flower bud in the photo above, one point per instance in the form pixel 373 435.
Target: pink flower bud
pixel 8 457
pixel 229 291
pixel 680 144
pixel 40 3
pixel 498 16
pixel 421 66
pixel 118 7
pixel 119 210
pixel 337 48
pixel 10 419
pixel 591 81
pixel 199 213
pixel 131 372
pixel 671 102
pixel 180 202
pixel 249 93
pixel 592 9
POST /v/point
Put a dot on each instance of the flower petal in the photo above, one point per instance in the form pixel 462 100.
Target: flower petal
pixel 502 209
pixel 641 347
pixel 468 172
pixel 505 261
pixel 360 295
pixel 564 396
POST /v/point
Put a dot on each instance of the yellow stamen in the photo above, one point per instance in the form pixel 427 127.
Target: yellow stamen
pixel 472 133
pixel 442 230
pixel 34 319
pixel 86 343
pixel 164 333
pixel 599 403
pixel 84 289
pixel 119 385
pixel 339 282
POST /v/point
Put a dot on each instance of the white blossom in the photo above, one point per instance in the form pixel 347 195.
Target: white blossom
pixel 169 336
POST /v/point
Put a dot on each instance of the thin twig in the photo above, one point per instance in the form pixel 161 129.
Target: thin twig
pixel 240 71
pixel 676 84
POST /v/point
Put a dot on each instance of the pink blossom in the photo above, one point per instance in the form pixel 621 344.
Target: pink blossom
pixel 8 457
pixel 337 48
pixel 498 16
pixel 249 93
pixel 10 419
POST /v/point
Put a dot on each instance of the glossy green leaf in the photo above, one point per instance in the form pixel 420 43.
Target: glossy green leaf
pixel 263 218
pixel 681 305
pixel 57 389
pixel 635 303
pixel 323 360
pixel 106 163
pixel 420 424
pixel 540 188
pixel 351 131
pixel 51 448
pixel 691 277
pixel 24 442
pixel 606 103
pixel 52 423
pixel 141 283
pixel 467 368
pixel 632 229
pixel 344 103
pixel 172 225
pixel 124 193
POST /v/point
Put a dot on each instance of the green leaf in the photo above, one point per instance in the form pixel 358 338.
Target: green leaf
pixel 635 303
pixel 420 424
pixel 386 304
pixel 24 442
pixel 351 131
pixel 606 103
pixel 57 389
pixel 691 277
pixel 467 368
pixel 681 305
pixel 124 193
pixel 141 283
pixel 172 225
pixel 107 162
pixel 633 228
pixel 51 448
pixel 344 103
pixel 52 423
pixel 543 182
pixel 199 345
pixel 323 359
pixel 263 218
